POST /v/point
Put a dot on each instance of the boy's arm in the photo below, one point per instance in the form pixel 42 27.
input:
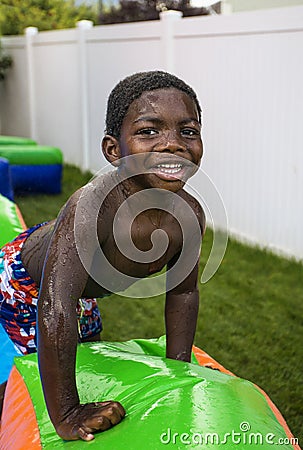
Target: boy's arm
pixel 63 282
pixel 181 312
pixel 182 302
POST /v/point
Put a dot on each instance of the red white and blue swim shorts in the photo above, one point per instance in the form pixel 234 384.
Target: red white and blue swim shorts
pixel 19 296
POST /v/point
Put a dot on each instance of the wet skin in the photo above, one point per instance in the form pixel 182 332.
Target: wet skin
pixel 162 124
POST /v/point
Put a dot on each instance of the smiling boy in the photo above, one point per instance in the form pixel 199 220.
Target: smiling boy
pixel 153 139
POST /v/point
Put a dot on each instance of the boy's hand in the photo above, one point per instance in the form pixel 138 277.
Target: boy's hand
pixel 86 419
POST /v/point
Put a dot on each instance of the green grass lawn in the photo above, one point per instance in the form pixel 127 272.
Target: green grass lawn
pixel 250 319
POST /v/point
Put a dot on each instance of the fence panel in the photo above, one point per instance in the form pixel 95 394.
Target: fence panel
pixel 248 78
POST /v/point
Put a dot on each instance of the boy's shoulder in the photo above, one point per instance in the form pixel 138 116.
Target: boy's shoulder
pixel 196 207
pixel 97 189
pixel 86 198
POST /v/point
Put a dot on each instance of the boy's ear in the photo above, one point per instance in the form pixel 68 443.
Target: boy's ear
pixel 111 149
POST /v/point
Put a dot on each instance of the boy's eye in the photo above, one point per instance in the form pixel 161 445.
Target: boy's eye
pixel 190 132
pixel 147 131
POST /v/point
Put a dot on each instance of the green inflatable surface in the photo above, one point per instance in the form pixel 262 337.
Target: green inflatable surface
pixel 10 225
pixel 169 404
pixel 14 140
pixel 31 154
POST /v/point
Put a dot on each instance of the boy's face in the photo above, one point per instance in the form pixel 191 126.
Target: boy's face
pixel 163 125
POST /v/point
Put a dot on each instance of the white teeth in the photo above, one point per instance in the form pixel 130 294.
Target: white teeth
pixel 169 168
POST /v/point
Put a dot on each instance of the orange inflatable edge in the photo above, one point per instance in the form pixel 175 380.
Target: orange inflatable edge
pixel 19 425
pixel 280 419
pixel 19 215
pixel 205 360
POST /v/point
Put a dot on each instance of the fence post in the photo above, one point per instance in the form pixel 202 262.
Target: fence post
pixel 83 26
pixel 226 7
pixel 168 19
pixel 30 32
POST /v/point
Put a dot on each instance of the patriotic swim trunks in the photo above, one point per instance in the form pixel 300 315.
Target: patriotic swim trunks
pixel 19 295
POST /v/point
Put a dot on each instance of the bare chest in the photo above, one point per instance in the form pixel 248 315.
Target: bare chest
pixel 144 246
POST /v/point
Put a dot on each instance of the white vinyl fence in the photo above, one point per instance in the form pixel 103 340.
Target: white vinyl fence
pixel 247 70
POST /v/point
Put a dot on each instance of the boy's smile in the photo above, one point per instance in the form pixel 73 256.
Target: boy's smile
pixel 163 125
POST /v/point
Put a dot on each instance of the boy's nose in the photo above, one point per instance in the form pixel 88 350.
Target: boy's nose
pixel 172 142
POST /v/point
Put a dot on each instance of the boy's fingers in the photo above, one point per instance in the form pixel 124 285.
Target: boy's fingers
pixel 120 408
pixel 84 435
pixel 110 415
pixel 113 406
pixel 100 423
pixel 104 404
pixel 113 414
pixel 76 432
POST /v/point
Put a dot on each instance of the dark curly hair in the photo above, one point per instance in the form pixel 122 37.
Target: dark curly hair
pixel 132 87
